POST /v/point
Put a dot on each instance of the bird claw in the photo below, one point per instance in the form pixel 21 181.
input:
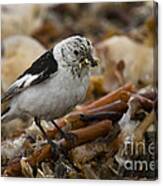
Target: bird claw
pixel 54 149
pixel 70 137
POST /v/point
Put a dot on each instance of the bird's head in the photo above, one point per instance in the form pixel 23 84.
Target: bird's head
pixel 75 51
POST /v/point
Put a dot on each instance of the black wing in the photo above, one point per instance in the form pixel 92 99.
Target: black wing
pixel 40 70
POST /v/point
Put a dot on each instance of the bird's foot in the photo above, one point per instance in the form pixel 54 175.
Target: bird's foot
pixel 54 149
pixel 70 137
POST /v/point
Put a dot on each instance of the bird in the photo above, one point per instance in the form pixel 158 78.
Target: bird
pixel 54 84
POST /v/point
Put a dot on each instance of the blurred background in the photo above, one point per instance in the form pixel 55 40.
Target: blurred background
pixel 122 33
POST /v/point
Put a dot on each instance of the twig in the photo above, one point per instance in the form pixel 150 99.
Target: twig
pixel 74 118
pixel 122 93
pixel 82 135
pixel 149 95
pixel 138 134
pixel 113 116
pixel 143 126
pixel 116 106
pixel 146 103
pixel 89 133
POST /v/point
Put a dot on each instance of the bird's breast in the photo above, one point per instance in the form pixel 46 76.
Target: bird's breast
pixel 55 97
pixel 66 92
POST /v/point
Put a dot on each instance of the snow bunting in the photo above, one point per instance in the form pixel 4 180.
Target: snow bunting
pixel 55 83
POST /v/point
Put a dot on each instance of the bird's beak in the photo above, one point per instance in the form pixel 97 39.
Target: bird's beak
pixel 91 61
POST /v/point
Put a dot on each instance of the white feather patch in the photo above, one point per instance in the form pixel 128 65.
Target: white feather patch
pixel 30 79
pixel 26 80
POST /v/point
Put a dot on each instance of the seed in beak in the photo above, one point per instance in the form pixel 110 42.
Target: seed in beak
pixel 86 61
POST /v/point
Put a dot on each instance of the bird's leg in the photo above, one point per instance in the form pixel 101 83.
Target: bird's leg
pixel 54 146
pixel 66 135
pixel 69 137
pixel 38 123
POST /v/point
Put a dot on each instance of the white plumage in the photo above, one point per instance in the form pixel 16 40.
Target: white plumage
pixel 53 98
pixel 54 84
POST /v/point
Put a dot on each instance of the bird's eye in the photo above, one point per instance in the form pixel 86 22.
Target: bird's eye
pixel 88 43
pixel 76 52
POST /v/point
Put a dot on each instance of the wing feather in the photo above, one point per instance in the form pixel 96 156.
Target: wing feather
pixel 41 69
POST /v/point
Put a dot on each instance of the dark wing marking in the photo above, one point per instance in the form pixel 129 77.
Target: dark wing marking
pixel 44 66
pixel 40 70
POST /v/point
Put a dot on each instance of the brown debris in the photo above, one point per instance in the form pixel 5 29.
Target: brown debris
pixel 82 135
pixel 88 125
